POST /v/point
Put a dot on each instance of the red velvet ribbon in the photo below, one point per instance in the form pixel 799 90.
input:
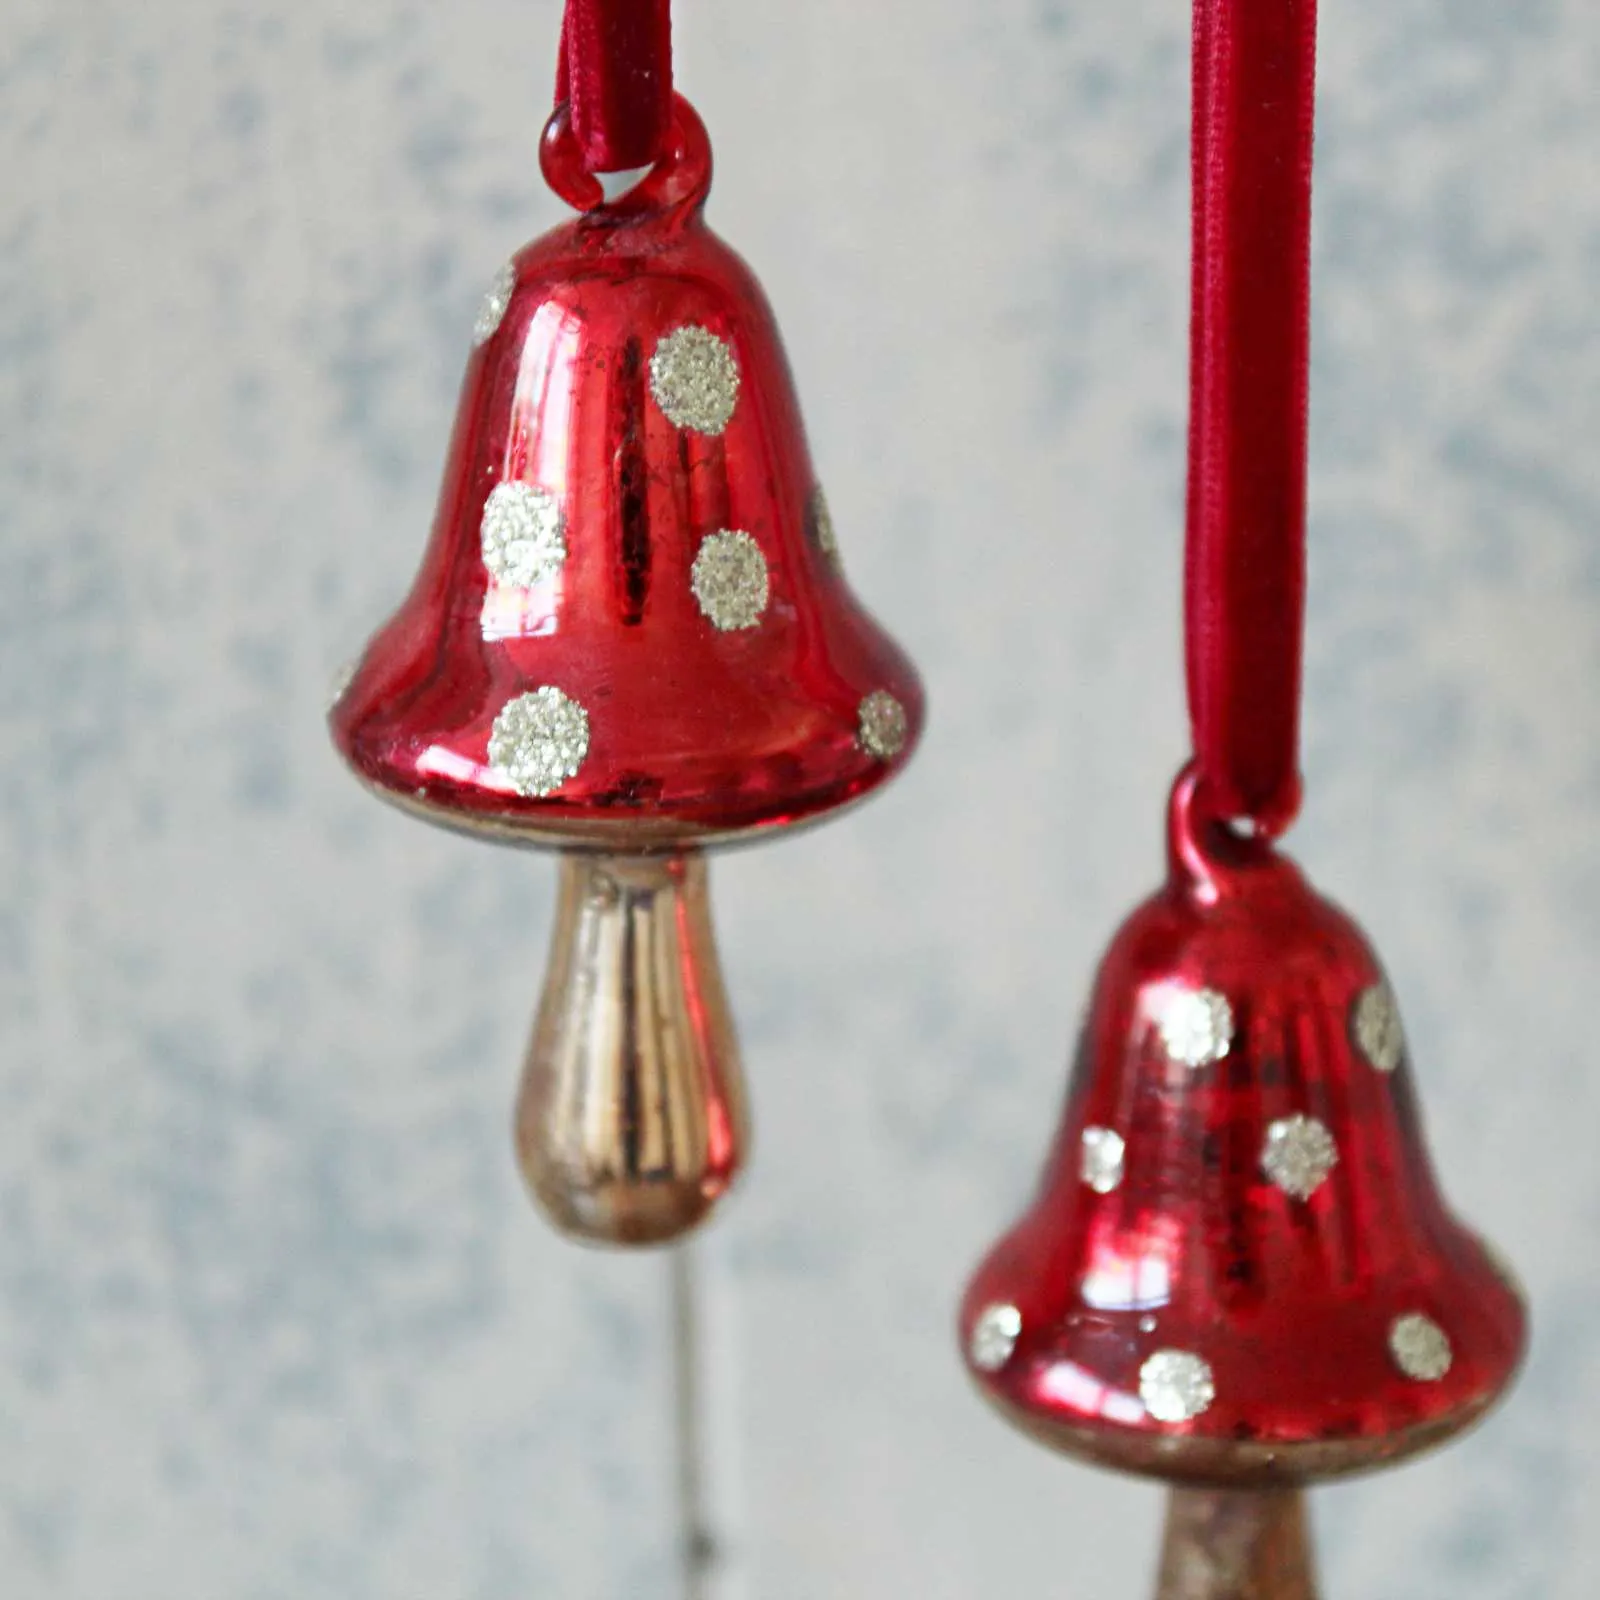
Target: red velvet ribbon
pixel 1244 580
pixel 616 75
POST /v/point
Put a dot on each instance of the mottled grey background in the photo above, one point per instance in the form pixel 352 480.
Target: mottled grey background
pixel 274 1319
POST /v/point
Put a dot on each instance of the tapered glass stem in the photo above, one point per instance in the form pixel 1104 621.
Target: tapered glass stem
pixel 631 1119
pixel 1237 1544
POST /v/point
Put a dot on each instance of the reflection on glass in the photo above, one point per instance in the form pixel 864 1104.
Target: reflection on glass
pixel 1130 1268
pixel 1085 1394
pixel 537 451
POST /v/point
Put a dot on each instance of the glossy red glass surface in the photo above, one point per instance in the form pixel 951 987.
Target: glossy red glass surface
pixel 1289 1301
pixel 693 731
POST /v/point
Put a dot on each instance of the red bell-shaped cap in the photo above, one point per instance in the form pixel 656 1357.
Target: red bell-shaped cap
pixel 1238 1266
pixel 630 624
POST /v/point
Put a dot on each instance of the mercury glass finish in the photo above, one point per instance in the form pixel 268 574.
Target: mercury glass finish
pixel 636 364
pixel 631 1121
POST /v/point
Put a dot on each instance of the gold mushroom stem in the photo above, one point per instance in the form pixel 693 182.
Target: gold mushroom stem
pixel 1237 1544
pixel 631 1120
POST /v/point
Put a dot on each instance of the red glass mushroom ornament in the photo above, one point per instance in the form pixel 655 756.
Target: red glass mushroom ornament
pixel 630 639
pixel 1238 1268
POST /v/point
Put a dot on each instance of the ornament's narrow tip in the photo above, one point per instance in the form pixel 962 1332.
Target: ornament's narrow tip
pixel 631 1121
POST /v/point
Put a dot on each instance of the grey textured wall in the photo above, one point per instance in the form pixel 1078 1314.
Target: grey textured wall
pixel 274 1318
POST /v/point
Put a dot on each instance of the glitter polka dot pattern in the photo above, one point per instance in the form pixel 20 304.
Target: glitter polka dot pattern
pixel 1379 1033
pixel 1101 1159
pixel 819 522
pixel 1176 1386
pixel 994 1337
pixel 1420 1347
pixel 1298 1154
pixel 1196 1027
pixel 881 725
pixel 539 740
pixel 495 305
pixel 695 380
pixel 523 535
pixel 730 580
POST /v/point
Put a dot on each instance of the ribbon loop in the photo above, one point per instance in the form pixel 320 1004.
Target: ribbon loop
pixel 1244 579
pixel 616 77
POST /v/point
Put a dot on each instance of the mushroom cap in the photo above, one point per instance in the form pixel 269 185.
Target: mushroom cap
pixel 1238 1266
pixel 630 622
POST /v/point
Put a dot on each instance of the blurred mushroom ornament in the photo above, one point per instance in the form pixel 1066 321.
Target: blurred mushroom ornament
pixel 1238 1273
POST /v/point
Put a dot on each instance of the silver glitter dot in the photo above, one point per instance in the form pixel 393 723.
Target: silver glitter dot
pixel 1298 1154
pixel 729 579
pixel 524 534
pixel 821 519
pixel 1176 1386
pixel 342 680
pixel 539 741
pixel 1101 1161
pixel 1196 1026
pixel 1420 1347
pixel 882 729
pixel 695 379
pixel 994 1337
pixel 1378 1029
pixel 495 305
